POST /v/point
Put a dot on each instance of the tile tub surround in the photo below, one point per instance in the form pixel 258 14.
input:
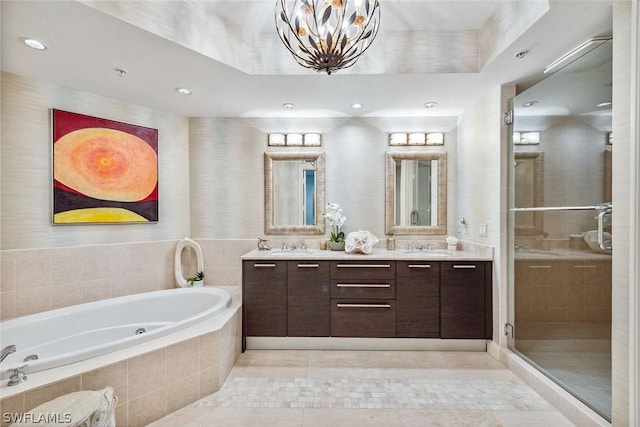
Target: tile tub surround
pixel 151 379
pixel 367 388
pixel 60 277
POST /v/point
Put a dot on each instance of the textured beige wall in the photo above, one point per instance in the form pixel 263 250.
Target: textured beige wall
pixel 478 185
pixel 26 184
pixel 227 191
pixel 621 213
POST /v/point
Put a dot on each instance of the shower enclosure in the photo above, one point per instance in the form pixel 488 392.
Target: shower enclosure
pixel 559 227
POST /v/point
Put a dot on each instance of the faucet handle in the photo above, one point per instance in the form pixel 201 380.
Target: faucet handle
pixel 17 376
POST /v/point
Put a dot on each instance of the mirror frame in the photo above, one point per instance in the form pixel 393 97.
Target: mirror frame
pixel 269 227
pixel 538 192
pixel 390 185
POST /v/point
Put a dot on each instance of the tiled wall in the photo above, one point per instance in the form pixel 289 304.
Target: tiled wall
pixel 154 384
pixel 36 280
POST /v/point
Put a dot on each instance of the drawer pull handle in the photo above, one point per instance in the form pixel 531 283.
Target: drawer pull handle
pixel 419 265
pixel 364 266
pixel 342 305
pixel 363 285
pixel 464 266
pixel 264 265
pixel 585 266
pixel 539 266
pixel 308 265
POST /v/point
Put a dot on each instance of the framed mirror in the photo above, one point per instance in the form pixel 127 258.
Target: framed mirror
pixel 528 177
pixel 416 193
pixel 294 193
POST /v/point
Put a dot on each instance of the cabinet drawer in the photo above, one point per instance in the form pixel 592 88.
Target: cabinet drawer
pixel 363 270
pixel 371 289
pixel 362 318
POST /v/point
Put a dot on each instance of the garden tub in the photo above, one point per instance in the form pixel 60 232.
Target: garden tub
pixel 76 333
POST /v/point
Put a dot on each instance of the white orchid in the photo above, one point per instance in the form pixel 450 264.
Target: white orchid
pixel 333 215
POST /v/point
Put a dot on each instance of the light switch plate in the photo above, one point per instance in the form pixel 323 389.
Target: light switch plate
pixel 483 230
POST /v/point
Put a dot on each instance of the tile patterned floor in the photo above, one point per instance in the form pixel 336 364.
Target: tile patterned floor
pixel 273 388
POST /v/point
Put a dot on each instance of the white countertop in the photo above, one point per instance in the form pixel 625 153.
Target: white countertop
pixel 376 254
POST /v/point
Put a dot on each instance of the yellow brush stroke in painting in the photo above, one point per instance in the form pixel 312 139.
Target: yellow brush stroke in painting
pixel 106 164
pixel 97 215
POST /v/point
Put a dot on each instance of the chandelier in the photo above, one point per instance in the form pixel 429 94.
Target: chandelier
pixel 327 35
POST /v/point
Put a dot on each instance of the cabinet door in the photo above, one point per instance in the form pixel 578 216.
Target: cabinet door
pixel 417 299
pixel 309 307
pixel 462 299
pixel 264 296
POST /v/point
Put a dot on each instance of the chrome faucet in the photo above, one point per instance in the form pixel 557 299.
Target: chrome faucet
pixel 7 351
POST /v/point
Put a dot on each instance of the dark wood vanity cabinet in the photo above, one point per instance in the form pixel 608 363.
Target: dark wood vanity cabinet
pixel 264 294
pixel 417 299
pixel 378 299
pixel 308 299
pixel 363 299
pixel 465 299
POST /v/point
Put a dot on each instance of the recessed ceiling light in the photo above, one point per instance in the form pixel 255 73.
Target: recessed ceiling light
pixel 34 44
pixel 521 54
pixel 604 104
pixel 288 106
pixel 430 104
pixel 121 72
pixel 529 104
pixel 356 106
pixel 183 91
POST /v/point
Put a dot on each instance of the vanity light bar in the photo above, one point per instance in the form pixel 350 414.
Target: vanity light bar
pixel 294 140
pixel 526 138
pixel 416 138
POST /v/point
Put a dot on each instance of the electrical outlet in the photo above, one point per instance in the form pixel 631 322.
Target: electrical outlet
pixel 483 230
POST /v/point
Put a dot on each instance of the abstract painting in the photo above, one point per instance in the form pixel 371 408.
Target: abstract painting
pixel 104 171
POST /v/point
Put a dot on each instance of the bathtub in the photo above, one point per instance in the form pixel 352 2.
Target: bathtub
pixel 76 333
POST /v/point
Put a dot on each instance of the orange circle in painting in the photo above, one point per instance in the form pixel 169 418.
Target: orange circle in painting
pixel 106 164
pixel 98 215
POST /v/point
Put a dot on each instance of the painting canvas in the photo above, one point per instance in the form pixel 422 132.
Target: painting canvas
pixel 104 171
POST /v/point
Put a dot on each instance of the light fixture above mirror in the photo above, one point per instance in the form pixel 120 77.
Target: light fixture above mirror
pixel 416 138
pixel 294 140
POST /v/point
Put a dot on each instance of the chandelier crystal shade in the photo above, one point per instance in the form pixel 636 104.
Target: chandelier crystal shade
pixel 327 35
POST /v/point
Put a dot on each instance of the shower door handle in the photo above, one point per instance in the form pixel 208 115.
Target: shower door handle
pixel 604 212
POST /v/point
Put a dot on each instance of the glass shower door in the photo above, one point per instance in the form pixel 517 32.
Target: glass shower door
pixel 559 233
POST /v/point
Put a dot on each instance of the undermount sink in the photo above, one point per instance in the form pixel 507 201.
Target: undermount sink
pixel 296 252
pixel 427 253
